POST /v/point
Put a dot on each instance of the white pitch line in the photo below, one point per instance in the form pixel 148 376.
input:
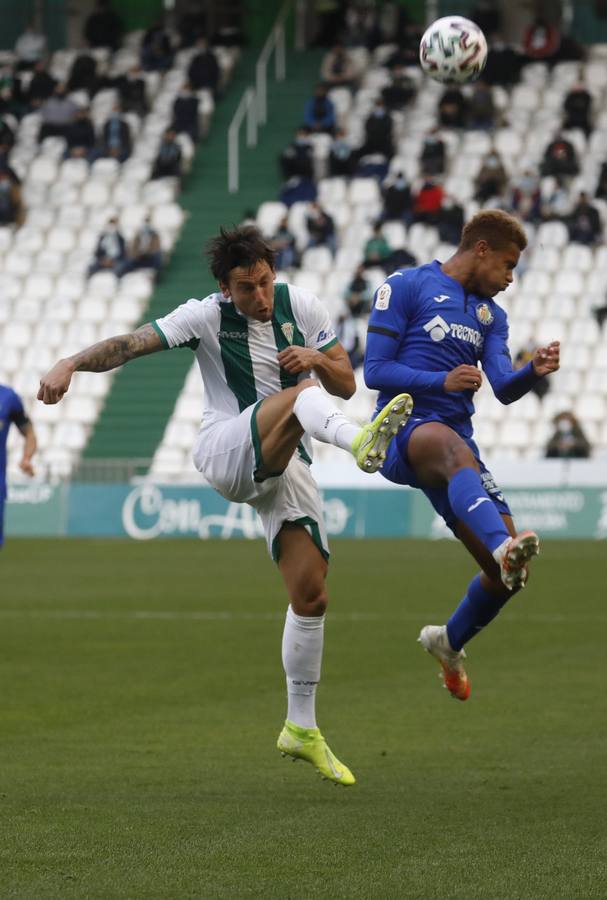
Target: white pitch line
pixel 244 616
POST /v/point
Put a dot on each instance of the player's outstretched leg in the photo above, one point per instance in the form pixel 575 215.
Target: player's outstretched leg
pixel 372 441
pixel 512 557
pixel 433 638
pixel 309 744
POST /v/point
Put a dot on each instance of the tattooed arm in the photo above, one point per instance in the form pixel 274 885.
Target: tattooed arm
pixel 101 357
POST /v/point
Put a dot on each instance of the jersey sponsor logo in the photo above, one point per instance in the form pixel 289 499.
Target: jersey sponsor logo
pixel 232 335
pixel 325 335
pixel 288 329
pixel 484 314
pixel 438 329
pixel 383 297
pixel 441 298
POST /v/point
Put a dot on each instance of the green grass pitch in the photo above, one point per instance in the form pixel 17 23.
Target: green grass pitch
pixel 142 694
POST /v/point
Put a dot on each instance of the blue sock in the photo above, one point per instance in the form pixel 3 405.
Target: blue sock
pixel 475 611
pixel 474 507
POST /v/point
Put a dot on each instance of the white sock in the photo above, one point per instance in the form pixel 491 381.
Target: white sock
pixel 302 642
pixel 319 417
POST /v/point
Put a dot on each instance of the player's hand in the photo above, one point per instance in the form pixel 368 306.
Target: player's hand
pixel 547 359
pixel 55 383
pixel 463 378
pixel 26 466
pixel 298 359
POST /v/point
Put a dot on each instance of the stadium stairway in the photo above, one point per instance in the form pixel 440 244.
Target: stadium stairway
pixel 143 394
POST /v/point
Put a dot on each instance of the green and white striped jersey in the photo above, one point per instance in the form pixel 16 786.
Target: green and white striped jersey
pixel 237 354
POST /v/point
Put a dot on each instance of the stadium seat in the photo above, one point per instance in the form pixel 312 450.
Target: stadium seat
pixel 317 259
pixel 269 216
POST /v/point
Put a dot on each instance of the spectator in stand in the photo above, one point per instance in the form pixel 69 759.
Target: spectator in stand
pixel 542 39
pixel 110 254
pixel 204 72
pixel 30 48
pixel 11 204
pixel 83 75
pixel 556 205
pixel 284 245
pixel 116 136
pixel 379 132
pixel 361 26
pixel 601 188
pixel 298 190
pixel 600 313
pixel 504 64
pixel 185 113
pixel 346 332
pixel 377 251
pixel 131 89
pixel 81 139
pixel 407 50
pixel 192 25
pixel 337 69
pixel 487 16
pixel 145 251
pixel 297 159
pixel 524 356
pixel 492 178
pixel 452 109
pixel 321 227
pixel 450 221
pixel 568 440
pixel 428 202
pixel 481 108
pixel 319 112
pixel 526 197
pixel 169 158
pixel 584 222
pixel 358 295
pixel 104 27
pixel 577 109
pixel 398 206
pixel 433 156
pixel 156 50
pixel 560 158
pixel 401 90
pixel 40 88
pixel 328 15
pixel 57 114
pixel 342 155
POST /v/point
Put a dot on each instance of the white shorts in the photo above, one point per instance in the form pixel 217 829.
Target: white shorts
pixel 229 454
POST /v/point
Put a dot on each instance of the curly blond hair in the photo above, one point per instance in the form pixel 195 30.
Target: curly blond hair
pixel 496 227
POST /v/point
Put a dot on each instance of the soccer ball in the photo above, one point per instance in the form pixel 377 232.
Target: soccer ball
pixel 453 50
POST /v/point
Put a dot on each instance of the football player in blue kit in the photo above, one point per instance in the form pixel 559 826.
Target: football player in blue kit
pixel 12 412
pixel 429 329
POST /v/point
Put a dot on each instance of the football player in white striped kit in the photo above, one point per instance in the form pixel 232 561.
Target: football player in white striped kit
pixel 257 344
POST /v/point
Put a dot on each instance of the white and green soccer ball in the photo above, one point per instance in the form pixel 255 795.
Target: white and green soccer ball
pixel 453 50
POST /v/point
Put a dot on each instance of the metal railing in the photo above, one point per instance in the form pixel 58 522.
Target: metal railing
pixel 254 102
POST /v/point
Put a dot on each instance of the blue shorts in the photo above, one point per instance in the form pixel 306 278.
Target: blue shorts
pixel 397 469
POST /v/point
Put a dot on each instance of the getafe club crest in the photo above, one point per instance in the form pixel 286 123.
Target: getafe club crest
pixel 288 329
pixel 484 314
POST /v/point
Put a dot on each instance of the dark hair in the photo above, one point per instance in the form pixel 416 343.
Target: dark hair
pixel 243 246
pixel 496 227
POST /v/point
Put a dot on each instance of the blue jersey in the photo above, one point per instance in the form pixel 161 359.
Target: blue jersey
pixel 11 410
pixel 423 325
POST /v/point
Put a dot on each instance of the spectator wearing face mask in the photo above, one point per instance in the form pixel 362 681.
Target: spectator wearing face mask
pixel 379 132
pixel 397 200
pixel 568 440
pixel 297 159
pixel 577 108
pixel 526 197
pixel 342 155
pixel 110 253
pixel 433 156
pixel 319 112
pixel 585 222
pixel 145 251
pixel 117 142
pixel 492 178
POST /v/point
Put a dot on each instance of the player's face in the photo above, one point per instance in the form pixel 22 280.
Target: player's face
pixel 495 268
pixel 252 290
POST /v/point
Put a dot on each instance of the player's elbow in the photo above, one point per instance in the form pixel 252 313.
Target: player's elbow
pixel 504 398
pixel 372 375
pixel 349 388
